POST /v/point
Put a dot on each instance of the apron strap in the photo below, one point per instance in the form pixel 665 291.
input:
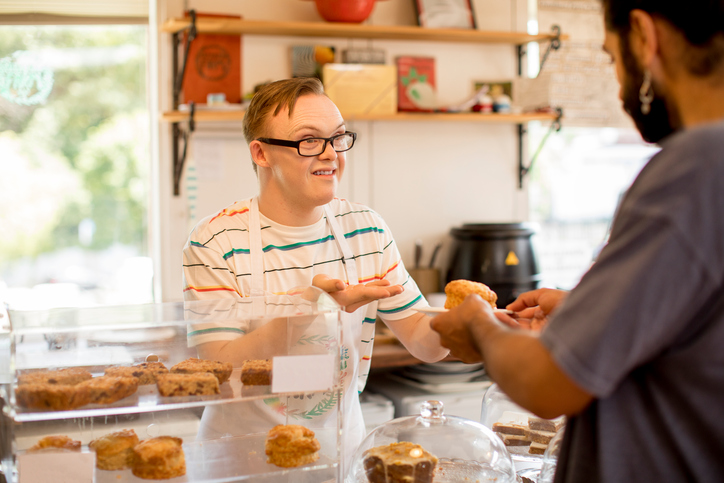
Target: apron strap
pixel 347 258
pixel 255 250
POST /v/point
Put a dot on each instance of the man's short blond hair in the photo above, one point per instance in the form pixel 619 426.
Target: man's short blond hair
pixel 270 99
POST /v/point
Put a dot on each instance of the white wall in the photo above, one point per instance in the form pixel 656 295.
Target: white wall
pixel 423 177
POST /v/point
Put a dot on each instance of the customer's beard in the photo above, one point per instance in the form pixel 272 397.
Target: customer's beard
pixel 658 123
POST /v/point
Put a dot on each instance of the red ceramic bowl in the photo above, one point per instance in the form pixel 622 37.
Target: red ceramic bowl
pixel 352 11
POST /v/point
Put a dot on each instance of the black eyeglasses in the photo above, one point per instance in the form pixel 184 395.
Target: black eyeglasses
pixel 316 146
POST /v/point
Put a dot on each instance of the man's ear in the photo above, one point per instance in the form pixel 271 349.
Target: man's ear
pixel 643 37
pixel 258 155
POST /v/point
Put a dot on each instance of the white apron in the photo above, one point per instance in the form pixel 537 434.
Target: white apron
pixel 257 416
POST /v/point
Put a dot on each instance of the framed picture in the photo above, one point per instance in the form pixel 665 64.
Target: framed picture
pixel 445 14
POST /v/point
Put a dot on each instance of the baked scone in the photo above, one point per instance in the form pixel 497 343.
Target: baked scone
pixel 56 397
pixel 402 462
pixel 457 290
pixel 291 445
pixel 57 442
pixel 222 370
pixel 109 389
pixel 146 372
pixel 199 384
pixel 256 372
pixel 114 451
pixel 69 376
pixel 159 458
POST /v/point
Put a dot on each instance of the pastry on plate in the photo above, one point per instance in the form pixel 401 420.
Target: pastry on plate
pixel 291 445
pixel 114 451
pixel 457 290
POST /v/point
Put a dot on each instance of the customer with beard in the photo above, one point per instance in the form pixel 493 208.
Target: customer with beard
pixel 633 355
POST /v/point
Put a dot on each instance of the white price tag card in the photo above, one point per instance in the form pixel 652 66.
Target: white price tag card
pixel 65 467
pixel 303 373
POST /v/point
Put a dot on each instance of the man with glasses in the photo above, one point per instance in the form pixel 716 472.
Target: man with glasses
pixel 296 233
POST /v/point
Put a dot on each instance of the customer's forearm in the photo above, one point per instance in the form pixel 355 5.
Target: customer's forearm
pixel 524 369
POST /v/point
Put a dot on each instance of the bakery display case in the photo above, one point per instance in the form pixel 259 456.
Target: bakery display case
pixel 204 391
pixel 431 447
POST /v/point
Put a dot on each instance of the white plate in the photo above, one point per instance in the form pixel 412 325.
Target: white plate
pixel 433 311
pixel 442 378
pixel 444 388
pixel 446 367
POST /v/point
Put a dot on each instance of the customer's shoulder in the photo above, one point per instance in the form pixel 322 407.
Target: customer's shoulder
pixel 704 140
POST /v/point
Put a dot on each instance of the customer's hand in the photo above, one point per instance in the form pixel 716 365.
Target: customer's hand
pixel 454 327
pixel 352 297
pixel 533 308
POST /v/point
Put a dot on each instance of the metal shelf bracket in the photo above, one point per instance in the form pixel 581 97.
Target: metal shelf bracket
pixel 522 169
pixel 178 78
pixel 554 44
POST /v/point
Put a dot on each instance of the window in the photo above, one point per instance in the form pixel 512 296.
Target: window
pixel 74 166
pixel 574 189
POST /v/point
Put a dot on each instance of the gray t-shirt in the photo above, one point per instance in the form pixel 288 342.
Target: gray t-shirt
pixel 644 329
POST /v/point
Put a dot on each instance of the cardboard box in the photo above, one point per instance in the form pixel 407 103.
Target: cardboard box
pixel 362 88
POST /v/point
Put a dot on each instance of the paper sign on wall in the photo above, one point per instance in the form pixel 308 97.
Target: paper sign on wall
pixel 303 373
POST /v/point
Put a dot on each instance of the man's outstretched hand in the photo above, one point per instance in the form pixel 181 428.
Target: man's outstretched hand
pixel 352 297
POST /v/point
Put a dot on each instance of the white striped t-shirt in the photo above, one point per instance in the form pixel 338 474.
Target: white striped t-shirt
pixel 217 264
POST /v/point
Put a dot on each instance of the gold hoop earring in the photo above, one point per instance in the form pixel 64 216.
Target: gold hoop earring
pixel 646 93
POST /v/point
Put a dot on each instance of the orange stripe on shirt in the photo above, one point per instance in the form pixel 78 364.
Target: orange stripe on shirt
pixel 229 213
pixel 209 289
pixel 379 277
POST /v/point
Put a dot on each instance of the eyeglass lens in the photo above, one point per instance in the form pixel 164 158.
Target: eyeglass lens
pixel 315 146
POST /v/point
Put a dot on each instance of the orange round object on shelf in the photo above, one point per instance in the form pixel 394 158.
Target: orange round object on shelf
pixel 351 11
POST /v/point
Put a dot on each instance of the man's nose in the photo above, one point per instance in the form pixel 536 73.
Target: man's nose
pixel 329 152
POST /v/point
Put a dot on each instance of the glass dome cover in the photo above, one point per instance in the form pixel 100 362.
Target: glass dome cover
pixel 431 447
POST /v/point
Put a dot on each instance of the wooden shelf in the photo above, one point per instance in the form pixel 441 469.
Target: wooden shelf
pixel 355 31
pixel 180 116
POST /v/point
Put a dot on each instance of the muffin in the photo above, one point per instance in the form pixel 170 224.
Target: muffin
pixel 291 445
pixel 457 290
pixel 114 451
pixel 55 442
pixel 159 458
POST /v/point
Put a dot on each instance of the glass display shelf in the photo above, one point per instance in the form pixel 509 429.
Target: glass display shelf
pixel 300 334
